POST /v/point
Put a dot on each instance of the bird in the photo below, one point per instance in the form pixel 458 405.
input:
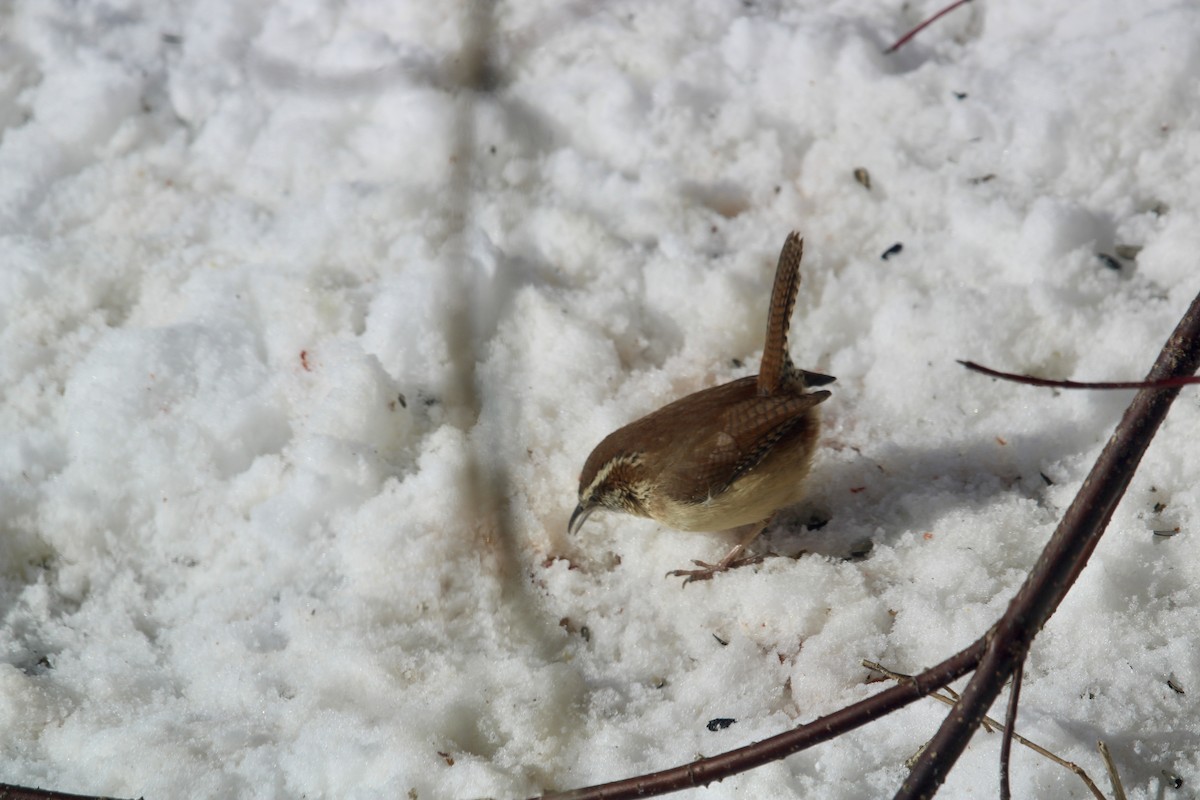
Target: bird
pixel 723 458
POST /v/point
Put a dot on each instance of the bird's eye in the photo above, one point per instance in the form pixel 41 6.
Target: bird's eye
pixel 613 497
pixel 625 499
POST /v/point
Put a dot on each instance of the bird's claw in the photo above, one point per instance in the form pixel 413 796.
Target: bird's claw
pixel 707 571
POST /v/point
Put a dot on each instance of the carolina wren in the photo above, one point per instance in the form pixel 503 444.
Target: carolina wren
pixel 721 458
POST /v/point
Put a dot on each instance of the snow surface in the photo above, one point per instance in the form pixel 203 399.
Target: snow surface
pixel 310 312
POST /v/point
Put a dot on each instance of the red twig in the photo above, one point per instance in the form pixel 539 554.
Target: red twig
pixel 903 40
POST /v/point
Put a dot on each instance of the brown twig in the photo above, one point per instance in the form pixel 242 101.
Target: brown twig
pixel 903 40
pixel 1166 383
pixel 1010 721
pixel 1063 559
pixel 10 792
pixel 706 770
pixel 1113 775
pixel 948 696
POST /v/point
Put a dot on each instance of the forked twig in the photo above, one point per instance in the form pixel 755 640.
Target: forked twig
pixel 706 770
pixel 1063 559
pixel 991 725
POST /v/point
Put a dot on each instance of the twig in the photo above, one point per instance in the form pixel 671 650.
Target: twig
pixel 706 770
pixel 1113 775
pixel 10 792
pixel 1063 559
pixel 991 725
pixel 1010 721
pixel 903 40
pixel 1166 383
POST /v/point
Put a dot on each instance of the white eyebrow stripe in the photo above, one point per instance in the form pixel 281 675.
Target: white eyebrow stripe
pixel 627 459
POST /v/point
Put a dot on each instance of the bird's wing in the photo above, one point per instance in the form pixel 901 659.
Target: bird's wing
pixel 748 431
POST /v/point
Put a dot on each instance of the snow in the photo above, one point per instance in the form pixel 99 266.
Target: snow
pixel 311 311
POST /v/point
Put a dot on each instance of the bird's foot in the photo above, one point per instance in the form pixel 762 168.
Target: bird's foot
pixel 707 570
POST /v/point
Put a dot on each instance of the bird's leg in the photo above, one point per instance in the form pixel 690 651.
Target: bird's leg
pixel 731 560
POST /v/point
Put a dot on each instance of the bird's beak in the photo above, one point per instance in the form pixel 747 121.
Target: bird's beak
pixel 816 378
pixel 577 518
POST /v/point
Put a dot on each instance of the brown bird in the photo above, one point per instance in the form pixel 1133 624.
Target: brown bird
pixel 721 458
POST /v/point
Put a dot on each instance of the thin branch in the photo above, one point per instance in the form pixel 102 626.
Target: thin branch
pixel 10 792
pixel 903 40
pixel 948 696
pixel 1113 775
pixel 706 770
pixel 1166 383
pixel 1063 559
pixel 1010 721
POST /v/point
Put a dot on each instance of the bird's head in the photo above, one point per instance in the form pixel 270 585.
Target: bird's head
pixel 613 481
